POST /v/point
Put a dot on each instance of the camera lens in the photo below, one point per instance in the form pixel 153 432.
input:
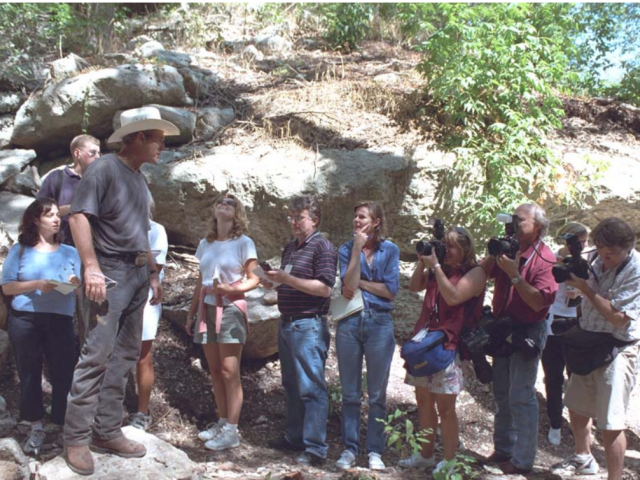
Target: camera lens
pixel 423 248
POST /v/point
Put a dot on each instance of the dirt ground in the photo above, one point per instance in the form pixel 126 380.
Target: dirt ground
pixel 182 405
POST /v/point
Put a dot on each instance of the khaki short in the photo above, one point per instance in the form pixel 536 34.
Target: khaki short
pixel 233 328
pixel 604 394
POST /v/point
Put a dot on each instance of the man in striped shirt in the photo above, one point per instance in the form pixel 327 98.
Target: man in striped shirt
pixel 307 276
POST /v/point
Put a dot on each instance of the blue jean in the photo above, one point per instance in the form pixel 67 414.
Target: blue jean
pixel 303 346
pixel 370 334
pixel 516 421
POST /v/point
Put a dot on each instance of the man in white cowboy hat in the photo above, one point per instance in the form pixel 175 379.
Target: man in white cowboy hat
pixel 109 220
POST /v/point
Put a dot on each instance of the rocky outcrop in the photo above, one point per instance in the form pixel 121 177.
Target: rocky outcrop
pixel 161 461
pixel 90 101
pixel 155 51
pixel 266 179
pixel 26 182
pixel 13 161
pixel 6 130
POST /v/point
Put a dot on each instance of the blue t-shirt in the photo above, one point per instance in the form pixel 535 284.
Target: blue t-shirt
pixel 384 269
pixel 35 265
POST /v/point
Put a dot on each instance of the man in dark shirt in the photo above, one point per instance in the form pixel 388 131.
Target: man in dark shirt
pixel 61 184
pixel 110 223
pixel 524 291
pixel 307 276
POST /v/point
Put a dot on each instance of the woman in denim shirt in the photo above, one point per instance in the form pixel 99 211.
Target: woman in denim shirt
pixel 368 263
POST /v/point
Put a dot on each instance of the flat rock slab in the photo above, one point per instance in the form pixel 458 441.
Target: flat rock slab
pixel 161 461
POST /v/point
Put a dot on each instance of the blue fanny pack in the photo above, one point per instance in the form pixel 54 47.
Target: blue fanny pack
pixel 427 356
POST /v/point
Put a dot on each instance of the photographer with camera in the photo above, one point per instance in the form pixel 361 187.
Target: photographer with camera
pixel 455 286
pixel 610 312
pixel 524 291
pixel 562 315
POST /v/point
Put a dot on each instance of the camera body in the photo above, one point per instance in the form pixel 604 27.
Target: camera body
pixel 506 245
pixel 426 248
pixel 574 263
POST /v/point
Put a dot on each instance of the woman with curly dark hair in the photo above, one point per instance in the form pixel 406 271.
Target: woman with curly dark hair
pixel 40 322
pixel 227 260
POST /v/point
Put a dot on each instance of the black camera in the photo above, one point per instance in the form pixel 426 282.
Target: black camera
pixel 574 263
pixel 426 248
pixel 506 245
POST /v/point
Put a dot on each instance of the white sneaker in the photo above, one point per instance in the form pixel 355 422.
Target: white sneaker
pixel 576 466
pixel 346 460
pixel 417 461
pixel 375 461
pixel 555 435
pixel 227 438
pixel 211 432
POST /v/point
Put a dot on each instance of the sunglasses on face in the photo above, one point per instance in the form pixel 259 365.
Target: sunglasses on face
pixel 227 201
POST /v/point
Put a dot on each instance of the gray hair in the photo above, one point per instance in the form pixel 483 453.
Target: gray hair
pixel 539 216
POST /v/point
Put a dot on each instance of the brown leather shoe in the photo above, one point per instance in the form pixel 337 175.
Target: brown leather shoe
pixel 509 468
pixel 121 446
pixel 496 457
pixel 79 459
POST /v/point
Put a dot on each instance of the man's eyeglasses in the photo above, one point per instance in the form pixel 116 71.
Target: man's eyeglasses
pixel 297 219
pixel 91 153
pixel 227 201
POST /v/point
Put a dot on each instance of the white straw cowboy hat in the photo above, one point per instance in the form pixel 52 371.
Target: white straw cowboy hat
pixel 140 120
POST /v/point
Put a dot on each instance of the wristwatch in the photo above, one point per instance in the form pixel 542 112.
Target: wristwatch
pixel 516 280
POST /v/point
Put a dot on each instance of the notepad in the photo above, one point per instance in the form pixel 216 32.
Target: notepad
pixel 64 288
pixel 342 307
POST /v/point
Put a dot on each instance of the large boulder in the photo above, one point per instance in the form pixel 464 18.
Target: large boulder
pixel 211 120
pixel 89 101
pixel 266 179
pixel 13 206
pixel 13 161
pixel 155 51
pixel 181 118
pixel 7 423
pixel 68 66
pixel 262 340
pixel 162 460
pixel 198 81
pixel 26 182
pixel 14 465
pixel 273 45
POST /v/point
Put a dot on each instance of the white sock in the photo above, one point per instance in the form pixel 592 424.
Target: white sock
pixel 222 422
pixel 231 427
pixel 583 457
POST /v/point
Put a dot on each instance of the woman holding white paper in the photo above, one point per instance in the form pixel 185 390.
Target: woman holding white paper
pixel 369 266
pixel 40 321
pixel 219 311
pixel 453 299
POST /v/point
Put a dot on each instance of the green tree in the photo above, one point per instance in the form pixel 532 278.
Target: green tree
pixel 494 73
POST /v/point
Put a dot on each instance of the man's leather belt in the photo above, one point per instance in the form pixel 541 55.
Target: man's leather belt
pixel 293 318
pixel 138 259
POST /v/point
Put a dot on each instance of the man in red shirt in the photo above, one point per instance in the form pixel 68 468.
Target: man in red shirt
pixel 524 291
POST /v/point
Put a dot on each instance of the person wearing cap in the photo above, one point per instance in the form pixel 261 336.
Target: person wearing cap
pixel 109 220
pixel 61 184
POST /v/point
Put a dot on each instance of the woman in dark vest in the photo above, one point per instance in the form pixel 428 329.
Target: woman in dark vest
pixel 453 299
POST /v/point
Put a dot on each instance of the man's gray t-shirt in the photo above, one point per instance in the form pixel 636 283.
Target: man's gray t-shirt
pixel 116 198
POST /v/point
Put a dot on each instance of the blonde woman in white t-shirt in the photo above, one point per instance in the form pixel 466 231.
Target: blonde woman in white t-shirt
pixel 218 315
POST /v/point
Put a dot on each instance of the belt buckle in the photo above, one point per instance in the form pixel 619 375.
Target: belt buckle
pixel 141 259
